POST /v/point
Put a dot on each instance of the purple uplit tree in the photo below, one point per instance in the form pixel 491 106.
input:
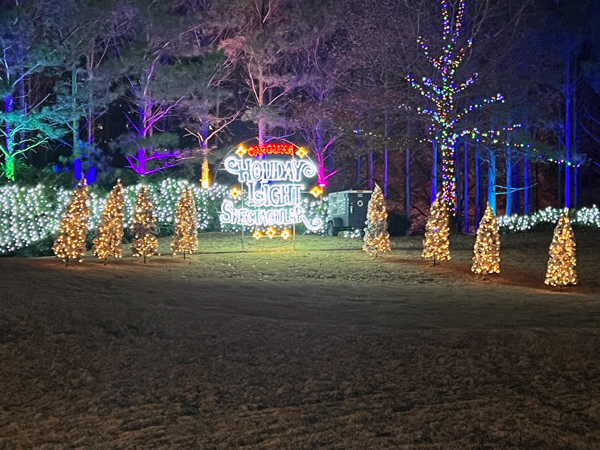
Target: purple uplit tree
pixel 149 67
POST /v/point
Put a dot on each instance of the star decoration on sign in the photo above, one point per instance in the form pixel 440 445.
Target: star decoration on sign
pixel 234 192
pixel 285 234
pixel 316 191
pixel 302 152
pixel 257 234
pixel 241 151
pixel 271 232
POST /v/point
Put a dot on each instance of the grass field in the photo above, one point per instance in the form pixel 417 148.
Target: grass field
pixel 318 348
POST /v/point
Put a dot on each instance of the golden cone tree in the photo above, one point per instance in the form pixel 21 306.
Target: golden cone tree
pixel 109 235
pixel 561 265
pixel 377 238
pixel 70 243
pixel 143 227
pixel 487 245
pixel 205 180
pixel 436 244
pixel 185 238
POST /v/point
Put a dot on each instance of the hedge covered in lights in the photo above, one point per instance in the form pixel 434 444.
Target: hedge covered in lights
pixel 30 214
pixel 584 217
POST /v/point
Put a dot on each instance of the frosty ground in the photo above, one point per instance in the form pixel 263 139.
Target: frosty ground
pixel 321 347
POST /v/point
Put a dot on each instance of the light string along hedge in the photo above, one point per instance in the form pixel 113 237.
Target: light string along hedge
pixel 30 214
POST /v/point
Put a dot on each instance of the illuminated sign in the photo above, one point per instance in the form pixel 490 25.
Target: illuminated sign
pixel 271 149
pixel 271 187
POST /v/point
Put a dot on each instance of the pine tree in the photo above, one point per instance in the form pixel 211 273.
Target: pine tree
pixel 143 227
pixel 436 244
pixel 561 265
pixel 376 239
pixel 185 239
pixel 109 235
pixel 487 245
pixel 70 243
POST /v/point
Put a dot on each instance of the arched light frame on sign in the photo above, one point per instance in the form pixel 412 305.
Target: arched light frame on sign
pixel 273 180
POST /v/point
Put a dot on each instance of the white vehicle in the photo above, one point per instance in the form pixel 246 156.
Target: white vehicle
pixel 347 211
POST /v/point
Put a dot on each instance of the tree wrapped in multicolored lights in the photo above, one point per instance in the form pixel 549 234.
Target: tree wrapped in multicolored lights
pixel 143 227
pixel 70 243
pixel 109 235
pixel 436 244
pixel 445 114
pixel 377 238
pixel 561 265
pixel 487 245
pixel 185 238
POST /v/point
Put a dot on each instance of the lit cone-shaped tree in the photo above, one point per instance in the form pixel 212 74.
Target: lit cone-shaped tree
pixel 70 243
pixel 143 227
pixel 561 266
pixel 436 244
pixel 185 239
pixel 109 235
pixel 376 239
pixel 487 245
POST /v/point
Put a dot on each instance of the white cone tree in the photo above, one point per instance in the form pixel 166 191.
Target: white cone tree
pixel 436 245
pixel 377 238
pixel 109 235
pixel 561 265
pixel 185 238
pixel 70 243
pixel 487 245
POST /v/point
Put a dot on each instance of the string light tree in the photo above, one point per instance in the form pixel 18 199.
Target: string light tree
pixel 143 227
pixel 185 238
pixel 436 244
pixel 377 238
pixel 109 235
pixel 487 245
pixel 70 243
pixel 561 265
pixel 444 113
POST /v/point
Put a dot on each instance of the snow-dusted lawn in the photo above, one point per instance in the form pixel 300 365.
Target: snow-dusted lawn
pixel 318 348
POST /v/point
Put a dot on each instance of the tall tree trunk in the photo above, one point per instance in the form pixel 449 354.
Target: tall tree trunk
pixel 385 155
pixel 75 130
pixel 526 186
pixel 358 170
pixel 568 127
pixel 477 188
pixel 466 189
pixel 509 192
pixel 434 187
pixel 407 194
pixel 371 169
pixel 492 180
pixel 457 203
pixel 9 141
pixel 575 186
pixel 516 193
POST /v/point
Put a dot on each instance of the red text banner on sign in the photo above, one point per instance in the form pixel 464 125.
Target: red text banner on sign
pixel 271 149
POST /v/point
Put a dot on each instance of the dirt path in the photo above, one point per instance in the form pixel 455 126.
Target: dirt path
pixel 321 348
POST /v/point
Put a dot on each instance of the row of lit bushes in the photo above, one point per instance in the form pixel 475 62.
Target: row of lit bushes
pixel 29 215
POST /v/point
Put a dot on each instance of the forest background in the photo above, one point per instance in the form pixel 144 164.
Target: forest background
pixel 142 89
